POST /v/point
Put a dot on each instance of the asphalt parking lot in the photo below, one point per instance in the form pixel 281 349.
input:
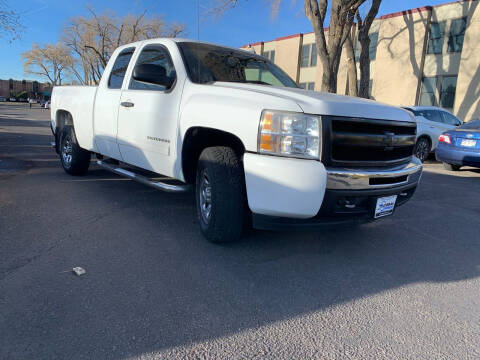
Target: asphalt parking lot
pixel 403 287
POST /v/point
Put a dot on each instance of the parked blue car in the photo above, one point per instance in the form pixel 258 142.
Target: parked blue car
pixel 460 146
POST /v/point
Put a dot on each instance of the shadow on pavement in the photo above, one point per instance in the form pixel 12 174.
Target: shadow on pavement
pixel 154 283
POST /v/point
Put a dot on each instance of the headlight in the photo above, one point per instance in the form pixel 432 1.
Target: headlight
pixel 289 134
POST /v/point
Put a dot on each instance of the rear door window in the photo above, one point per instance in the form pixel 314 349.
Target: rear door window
pixel 119 68
pixel 432 115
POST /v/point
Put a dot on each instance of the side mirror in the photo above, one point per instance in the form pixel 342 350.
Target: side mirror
pixel 152 74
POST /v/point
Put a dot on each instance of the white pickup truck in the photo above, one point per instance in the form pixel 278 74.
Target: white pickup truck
pixel 257 149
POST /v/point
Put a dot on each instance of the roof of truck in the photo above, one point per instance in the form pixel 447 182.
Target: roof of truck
pixel 177 40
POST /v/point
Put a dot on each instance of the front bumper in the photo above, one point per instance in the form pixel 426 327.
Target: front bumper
pixel 285 192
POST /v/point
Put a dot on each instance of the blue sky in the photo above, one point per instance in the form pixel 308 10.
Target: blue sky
pixel 249 22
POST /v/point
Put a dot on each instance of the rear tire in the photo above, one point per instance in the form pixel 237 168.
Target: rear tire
pixel 220 195
pixel 451 167
pixel 74 159
pixel 422 148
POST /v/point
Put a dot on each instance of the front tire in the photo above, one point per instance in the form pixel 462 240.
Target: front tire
pixel 422 148
pixel 74 159
pixel 220 195
pixel 451 167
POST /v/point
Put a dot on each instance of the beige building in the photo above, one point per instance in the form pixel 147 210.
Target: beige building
pixel 424 56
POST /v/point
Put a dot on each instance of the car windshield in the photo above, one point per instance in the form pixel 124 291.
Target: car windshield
pixel 208 63
pixel 475 125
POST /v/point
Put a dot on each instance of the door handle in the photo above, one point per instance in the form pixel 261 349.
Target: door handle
pixel 127 104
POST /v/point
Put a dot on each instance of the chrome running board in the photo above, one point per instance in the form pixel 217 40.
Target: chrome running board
pixel 144 180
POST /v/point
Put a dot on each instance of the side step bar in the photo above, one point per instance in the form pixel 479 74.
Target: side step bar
pixel 144 180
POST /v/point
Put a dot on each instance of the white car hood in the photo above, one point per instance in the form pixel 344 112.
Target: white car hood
pixel 313 102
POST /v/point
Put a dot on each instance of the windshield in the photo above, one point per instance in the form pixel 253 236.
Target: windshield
pixel 208 63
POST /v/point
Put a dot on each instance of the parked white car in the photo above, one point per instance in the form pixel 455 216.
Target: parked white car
pixel 237 129
pixel 431 123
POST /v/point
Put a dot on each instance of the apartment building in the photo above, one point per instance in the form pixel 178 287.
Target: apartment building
pixel 424 56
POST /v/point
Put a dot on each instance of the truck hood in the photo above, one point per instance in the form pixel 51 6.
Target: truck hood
pixel 319 103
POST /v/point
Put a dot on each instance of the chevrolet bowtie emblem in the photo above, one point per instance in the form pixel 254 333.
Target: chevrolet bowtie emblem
pixel 388 140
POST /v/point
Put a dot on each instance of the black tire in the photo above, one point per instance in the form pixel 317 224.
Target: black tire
pixel 451 167
pixel 74 159
pixel 220 187
pixel 422 148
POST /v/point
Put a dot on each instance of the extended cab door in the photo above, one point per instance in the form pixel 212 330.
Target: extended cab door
pixel 107 101
pixel 147 118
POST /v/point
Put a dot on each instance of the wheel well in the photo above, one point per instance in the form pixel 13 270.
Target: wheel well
pixel 197 139
pixel 424 136
pixel 63 118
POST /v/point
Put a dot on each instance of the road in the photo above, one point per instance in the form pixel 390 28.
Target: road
pixel 405 287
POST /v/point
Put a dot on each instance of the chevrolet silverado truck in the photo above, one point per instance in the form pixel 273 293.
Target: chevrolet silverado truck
pixel 231 125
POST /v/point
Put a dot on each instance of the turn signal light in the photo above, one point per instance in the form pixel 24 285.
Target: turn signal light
pixel 445 139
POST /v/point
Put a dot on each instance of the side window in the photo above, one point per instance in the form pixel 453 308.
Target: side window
pixel 429 86
pixel 153 55
pixel 447 92
pixel 457 33
pixel 305 56
pixel 437 33
pixel 450 119
pixel 432 115
pixel 120 68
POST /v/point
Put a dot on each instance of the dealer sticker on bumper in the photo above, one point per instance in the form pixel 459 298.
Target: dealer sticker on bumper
pixel 385 206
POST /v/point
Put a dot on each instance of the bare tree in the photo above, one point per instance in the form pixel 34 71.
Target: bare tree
pixel 352 76
pixel 364 26
pixel 50 61
pixel 93 39
pixel 220 7
pixel 9 22
pixel 363 41
pixel 342 15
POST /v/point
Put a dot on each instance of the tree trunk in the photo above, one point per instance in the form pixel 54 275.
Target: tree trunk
pixel 341 19
pixel 351 68
pixel 364 41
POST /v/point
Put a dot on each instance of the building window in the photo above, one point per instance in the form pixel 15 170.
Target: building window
pixel 308 56
pixel 313 55
pixel 307 86
pixel 457 33
pixel 270 55
pixel 429 88
pixel 447 92
pixel 444 96
pixel 435 42
pixel 372 49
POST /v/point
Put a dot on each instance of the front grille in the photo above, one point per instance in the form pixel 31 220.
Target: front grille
pixel 367 142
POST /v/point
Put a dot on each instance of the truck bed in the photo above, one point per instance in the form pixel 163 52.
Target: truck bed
pixel 78 101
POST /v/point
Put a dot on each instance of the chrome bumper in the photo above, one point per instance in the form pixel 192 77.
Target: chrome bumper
pixel 361 179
